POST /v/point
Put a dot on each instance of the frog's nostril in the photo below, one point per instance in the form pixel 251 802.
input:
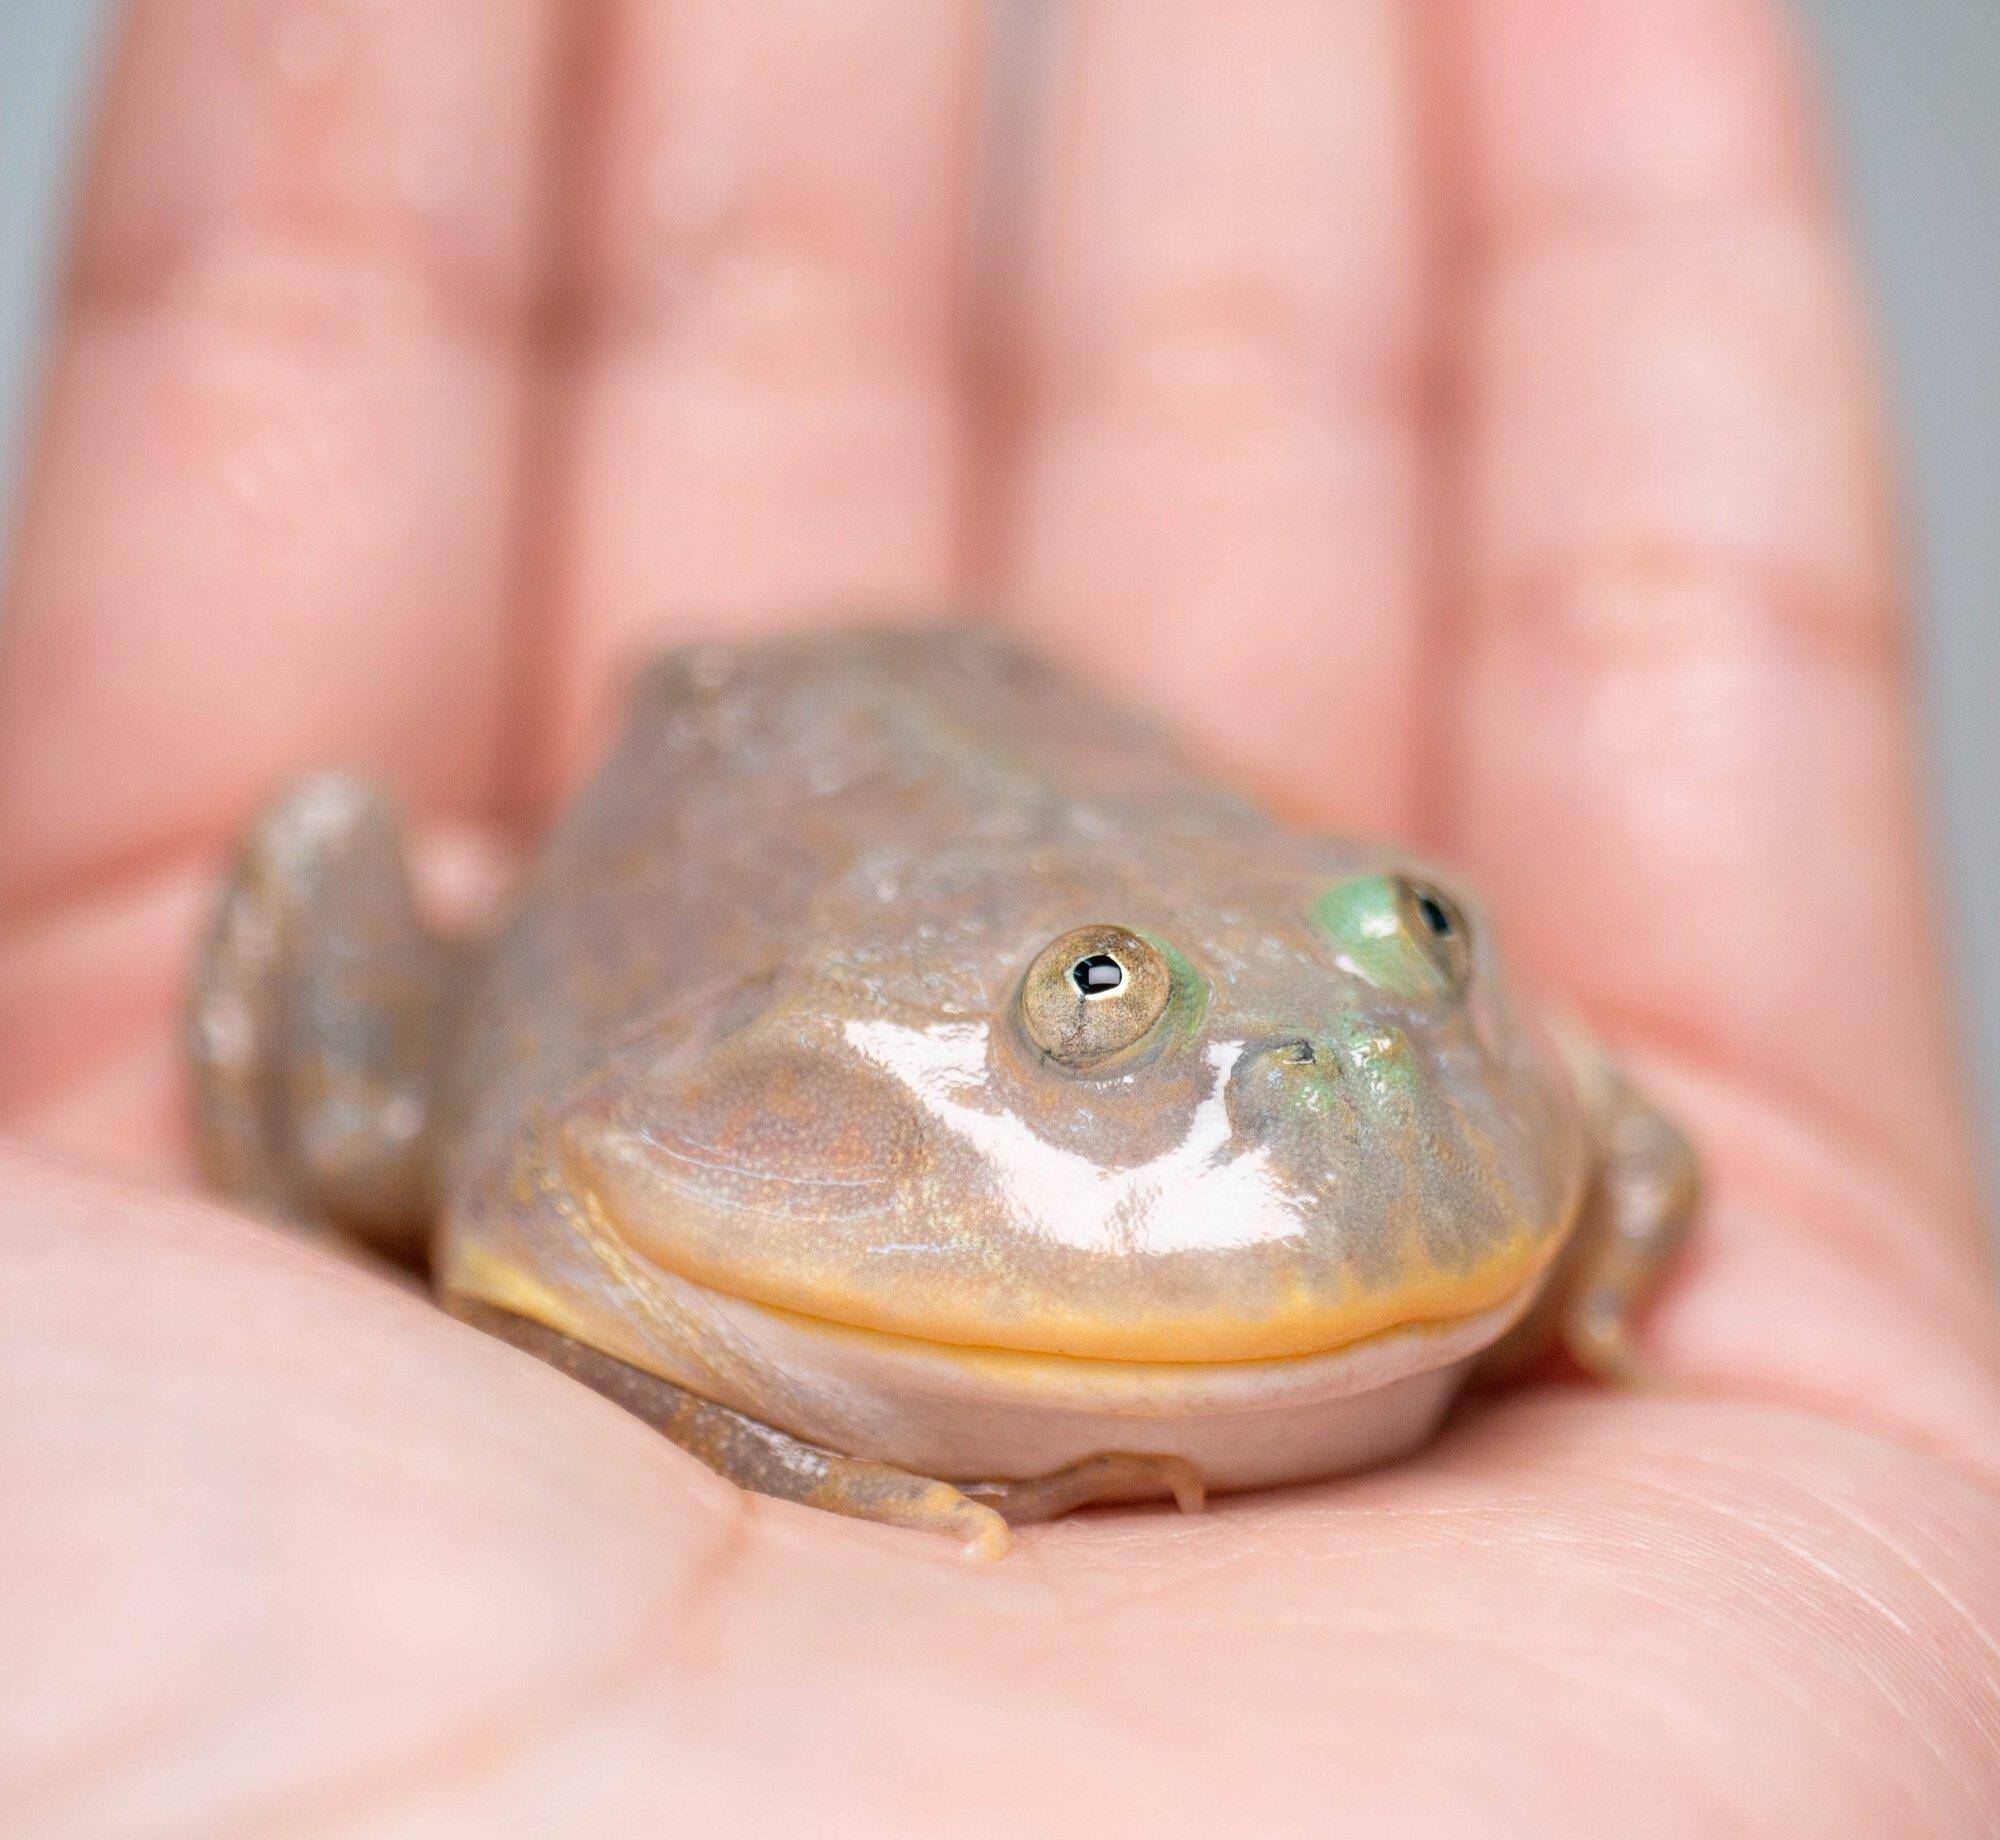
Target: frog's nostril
pixel 1281 1051
pixel 1280 1082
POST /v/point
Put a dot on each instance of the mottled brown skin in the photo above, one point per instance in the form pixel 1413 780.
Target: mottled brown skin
pixel 768 1111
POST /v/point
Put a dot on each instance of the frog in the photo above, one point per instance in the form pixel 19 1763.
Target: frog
pixel 910 1081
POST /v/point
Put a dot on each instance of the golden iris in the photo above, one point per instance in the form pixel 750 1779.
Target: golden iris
pixel 1094 994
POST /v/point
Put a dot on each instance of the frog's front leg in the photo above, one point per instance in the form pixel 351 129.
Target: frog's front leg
pixel 1635 1217
pixel 319 1010
pixel 767 1461
pixel 1640 1210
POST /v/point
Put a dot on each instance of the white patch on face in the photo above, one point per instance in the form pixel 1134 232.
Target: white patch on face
pixel 1187 1199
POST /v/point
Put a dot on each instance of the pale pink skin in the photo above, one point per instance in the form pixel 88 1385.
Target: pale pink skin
pixel 1612 620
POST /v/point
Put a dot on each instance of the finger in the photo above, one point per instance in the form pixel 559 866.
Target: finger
pixel 765 414
pixel 1686 766
pixel 1222 456
pixel 88 1000
pixel 270 520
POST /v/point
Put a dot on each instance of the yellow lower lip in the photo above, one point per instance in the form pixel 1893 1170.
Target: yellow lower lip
pixel 1296 1327
pixel 1024 1368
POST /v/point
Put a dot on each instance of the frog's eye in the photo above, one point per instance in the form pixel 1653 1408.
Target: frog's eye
pixel 1402 935
pixel 1094 994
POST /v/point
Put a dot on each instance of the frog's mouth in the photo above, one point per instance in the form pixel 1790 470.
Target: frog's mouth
pixel 1352 1367
pixel 741 1348
pixel 955 1411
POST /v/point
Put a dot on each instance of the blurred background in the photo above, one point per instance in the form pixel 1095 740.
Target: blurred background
pixel 1914 84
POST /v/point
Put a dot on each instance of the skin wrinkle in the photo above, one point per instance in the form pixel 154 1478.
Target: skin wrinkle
pixel 1780 1678
pixel 1138 382
pixel 1775 1536
pixel 1262 306
pixel 1852 1414
pixel 1914 1569
pixel 478 1746
pixel 1862 1435
pixel 1563 235
pixel 481 297
pixel 1517 1528
pixel 1709 263
pixel 1811 1704
pixel 1852 1587
pixel 1864 638
pixel 1874 1530
pixel 1569 1669
pixel 38 1790
pixel 1514 1722
pixel 1763 1526
pixel 1721 1625
pixel 285 291
pixel 715 315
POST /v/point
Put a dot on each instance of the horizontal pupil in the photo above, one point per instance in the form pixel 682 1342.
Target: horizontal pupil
pixel 1098 973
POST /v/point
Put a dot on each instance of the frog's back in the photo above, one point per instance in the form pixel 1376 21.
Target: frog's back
pixel 853 740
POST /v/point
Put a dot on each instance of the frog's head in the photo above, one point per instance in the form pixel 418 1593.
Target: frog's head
pixel 1086 1118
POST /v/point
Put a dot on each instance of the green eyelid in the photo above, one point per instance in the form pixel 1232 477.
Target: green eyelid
pixel 1369 920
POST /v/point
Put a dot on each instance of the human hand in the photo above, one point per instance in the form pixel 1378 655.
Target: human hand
pixel 1454 416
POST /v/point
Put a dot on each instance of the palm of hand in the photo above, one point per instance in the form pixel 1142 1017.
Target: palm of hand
pixel 290 1552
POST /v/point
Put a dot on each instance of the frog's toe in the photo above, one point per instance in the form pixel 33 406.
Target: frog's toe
pixel 1599 1335
pixel 896 1498
pixel 1111 1476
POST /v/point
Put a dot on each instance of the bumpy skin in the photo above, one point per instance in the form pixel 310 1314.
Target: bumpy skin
pixel 738 1118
